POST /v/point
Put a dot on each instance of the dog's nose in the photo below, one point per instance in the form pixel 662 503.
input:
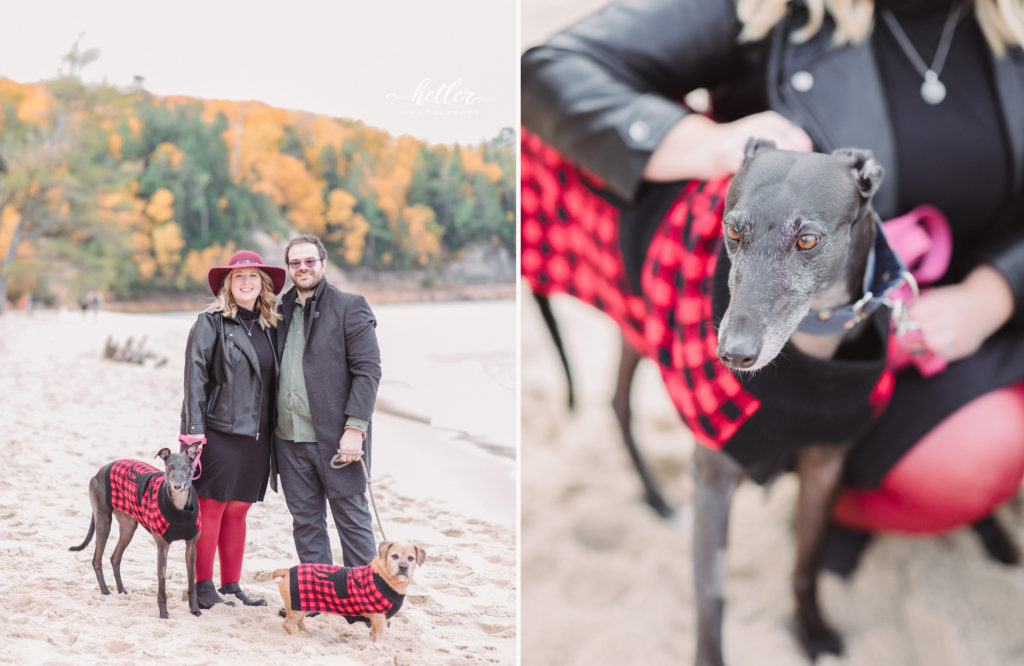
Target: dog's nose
pixel 741 356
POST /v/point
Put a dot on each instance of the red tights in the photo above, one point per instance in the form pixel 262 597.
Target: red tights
pixel 959 472
pixel 223 532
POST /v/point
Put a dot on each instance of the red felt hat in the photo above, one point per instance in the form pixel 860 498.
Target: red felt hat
pixel 245 259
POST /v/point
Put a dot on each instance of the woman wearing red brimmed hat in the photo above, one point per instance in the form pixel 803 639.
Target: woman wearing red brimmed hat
pixel 230 379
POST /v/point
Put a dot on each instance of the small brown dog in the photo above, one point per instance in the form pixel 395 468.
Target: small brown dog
pixel 372 593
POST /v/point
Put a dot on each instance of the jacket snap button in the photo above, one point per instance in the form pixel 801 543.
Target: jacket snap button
pixel 802 81
pixel 639 131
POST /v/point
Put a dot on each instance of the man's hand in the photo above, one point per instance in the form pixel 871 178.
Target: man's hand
pixel 350 447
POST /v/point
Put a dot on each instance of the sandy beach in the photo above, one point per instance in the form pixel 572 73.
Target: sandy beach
pixel 66 411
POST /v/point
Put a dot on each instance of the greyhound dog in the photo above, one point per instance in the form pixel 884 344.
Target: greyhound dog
pixel 164 502
pixel 800 240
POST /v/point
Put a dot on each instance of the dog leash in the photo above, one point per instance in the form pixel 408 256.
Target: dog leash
pixel 197 463
pixel 337 464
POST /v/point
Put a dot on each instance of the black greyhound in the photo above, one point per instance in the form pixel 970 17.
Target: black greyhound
pixel 799 233
pixel 164 502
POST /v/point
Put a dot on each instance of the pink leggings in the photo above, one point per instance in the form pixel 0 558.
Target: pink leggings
pixel 223 531
pixel 959 472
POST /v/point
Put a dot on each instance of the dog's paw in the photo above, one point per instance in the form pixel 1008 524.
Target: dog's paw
pixel 818 639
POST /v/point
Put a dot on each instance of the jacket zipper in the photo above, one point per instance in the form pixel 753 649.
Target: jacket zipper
pixel 259 407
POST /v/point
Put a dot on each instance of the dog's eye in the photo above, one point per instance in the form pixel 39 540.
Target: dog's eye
pixel 732 231
pixel 807 242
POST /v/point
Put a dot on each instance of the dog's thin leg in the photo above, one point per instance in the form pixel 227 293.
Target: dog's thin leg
pixel 190 566
pixel 998 543
pixel 103 521
pixel 161 576
pixel 628 361
pixel 820 470
pixel 717 477
pixel 544 305
pixel 126 529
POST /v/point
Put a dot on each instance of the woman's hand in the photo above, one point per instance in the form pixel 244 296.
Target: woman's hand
pixel 956 319
pixel 698 147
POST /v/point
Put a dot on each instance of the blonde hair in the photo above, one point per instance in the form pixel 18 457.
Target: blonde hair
pixel 1001 21
pixel 265 306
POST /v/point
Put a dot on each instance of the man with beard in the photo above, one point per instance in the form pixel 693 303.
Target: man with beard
pixel 330 370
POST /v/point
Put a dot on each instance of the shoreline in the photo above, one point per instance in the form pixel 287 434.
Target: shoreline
pixel 385 292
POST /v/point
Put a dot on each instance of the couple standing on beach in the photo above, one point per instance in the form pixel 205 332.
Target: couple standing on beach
pixel 280 388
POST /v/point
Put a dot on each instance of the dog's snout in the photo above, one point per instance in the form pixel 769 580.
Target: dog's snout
pixel 739 343
pixel 740 357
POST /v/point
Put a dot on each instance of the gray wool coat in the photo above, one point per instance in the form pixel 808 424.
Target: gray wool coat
pixel 342 372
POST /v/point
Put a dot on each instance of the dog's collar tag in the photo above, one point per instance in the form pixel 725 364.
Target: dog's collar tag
pixel 884 272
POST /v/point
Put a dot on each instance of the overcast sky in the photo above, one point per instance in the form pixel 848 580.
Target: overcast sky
pixel 440 70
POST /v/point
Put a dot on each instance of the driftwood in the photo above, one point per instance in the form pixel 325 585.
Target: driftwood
pixel 130 352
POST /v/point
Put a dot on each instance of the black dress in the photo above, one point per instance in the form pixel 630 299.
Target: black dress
pixel 237 467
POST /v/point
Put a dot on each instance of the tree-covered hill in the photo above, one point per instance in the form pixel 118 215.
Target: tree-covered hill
pixel 142 194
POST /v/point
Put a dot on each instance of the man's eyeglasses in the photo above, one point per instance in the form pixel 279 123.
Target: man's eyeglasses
pixel 310 262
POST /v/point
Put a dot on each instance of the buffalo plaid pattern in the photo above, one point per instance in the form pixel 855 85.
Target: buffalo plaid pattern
pixel 570 244
pixel 134 489
pixel 319 585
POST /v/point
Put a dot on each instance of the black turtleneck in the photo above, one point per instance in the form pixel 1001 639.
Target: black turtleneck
pixel 261 342
pixel 953 155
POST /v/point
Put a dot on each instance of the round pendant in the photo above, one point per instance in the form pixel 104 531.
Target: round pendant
pixel 933 91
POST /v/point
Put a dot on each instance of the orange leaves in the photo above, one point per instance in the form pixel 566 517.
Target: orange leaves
pixel 114 145
pixel 169 152
pixel 35 105
pixel 339 206
pixel 161 206
pixel 10 218
pixel 473 162
pixel 350 229
pixel 167 246
pixel 423 234
pixel 198 263
pixel 292 187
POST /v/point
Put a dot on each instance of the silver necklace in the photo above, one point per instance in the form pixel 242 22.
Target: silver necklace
pixel 248 327
pixel 933 91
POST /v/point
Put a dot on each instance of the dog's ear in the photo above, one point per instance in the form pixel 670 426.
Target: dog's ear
pixel 421 555
pixel 756 145
pixel 192 450
pixel 867 172
pixel 382 549
pixel 163 453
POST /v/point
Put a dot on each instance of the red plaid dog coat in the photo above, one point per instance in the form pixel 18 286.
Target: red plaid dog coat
pixel 134 488
pixel 573 240
pixel 347 591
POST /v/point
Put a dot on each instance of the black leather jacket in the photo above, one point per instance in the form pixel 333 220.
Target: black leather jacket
pixel 223 389
pixel 605 91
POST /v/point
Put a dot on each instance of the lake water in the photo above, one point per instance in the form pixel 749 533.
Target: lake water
pixel 449 364
pixel 454 365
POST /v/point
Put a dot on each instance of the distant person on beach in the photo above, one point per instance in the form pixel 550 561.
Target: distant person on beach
pixel 330 369
pixel 230 379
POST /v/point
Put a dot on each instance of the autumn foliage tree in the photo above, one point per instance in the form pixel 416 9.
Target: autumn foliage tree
pixel 145 193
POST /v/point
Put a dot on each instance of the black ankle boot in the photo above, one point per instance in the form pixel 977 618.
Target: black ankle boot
pixel 233 588
pixel 207 597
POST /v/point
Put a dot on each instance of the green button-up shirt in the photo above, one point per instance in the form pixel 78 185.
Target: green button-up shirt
pixel 294 418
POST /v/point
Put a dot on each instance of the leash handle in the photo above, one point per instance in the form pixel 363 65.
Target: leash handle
pixel 337 464
pixel 197 463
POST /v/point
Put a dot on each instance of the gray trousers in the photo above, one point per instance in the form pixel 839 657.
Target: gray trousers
pixel 303 484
